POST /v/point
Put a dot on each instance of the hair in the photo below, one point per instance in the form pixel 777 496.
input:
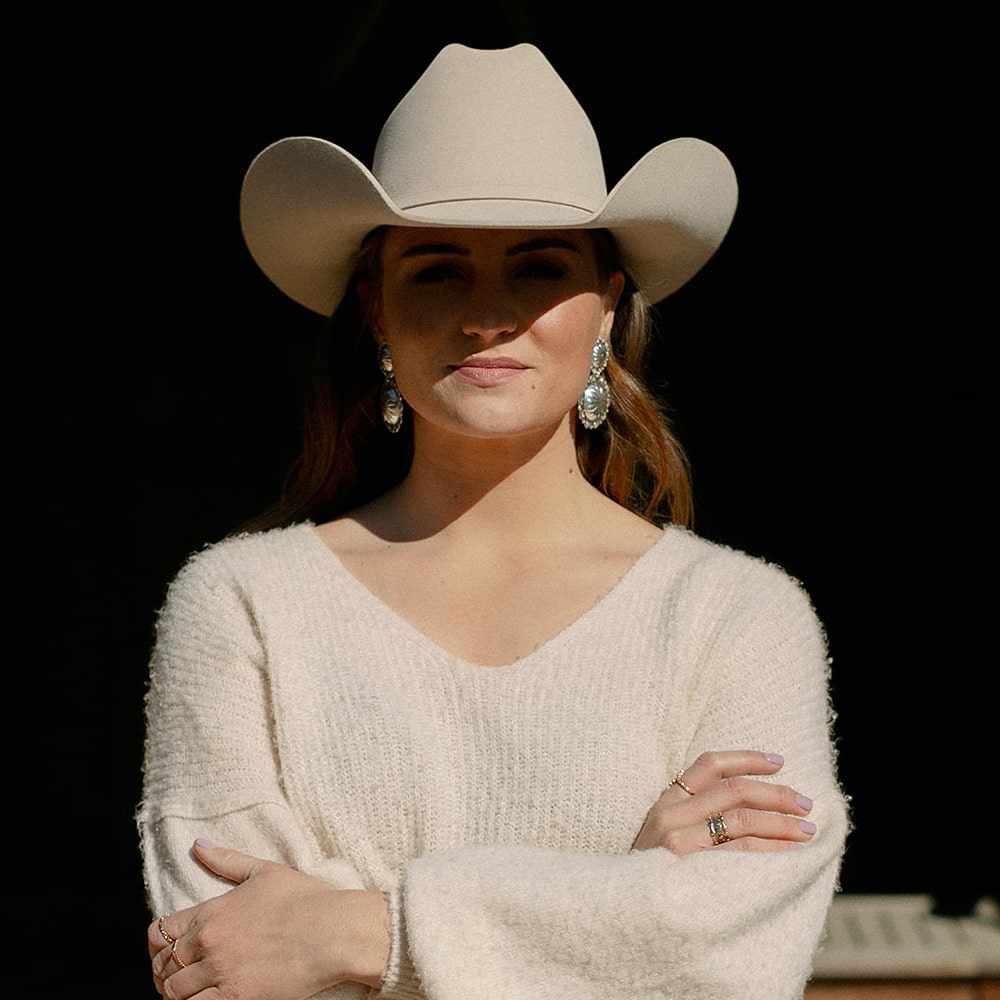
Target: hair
pixel 348 458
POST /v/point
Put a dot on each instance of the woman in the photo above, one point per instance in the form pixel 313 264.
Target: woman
pixel 469 723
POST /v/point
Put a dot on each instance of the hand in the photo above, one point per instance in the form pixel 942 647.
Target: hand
pixel 758 815
pixel 278 935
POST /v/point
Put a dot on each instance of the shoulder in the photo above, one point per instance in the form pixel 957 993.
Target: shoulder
pixel 747 624
pixel 244 556
pixel 224 578
pixel 715 560
pixel 218 604
pixel 727 582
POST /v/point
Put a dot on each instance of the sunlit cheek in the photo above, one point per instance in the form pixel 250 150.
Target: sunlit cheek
pixel 573 324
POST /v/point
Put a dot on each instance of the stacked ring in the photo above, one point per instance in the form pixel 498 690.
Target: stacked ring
pixel 677 781
pixel 176 957
pixel 163 930
pixel 717 829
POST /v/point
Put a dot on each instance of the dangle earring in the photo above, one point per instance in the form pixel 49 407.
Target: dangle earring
pixel 390 401
pixel 595 400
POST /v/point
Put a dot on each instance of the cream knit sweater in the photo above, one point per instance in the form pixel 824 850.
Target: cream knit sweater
pixel 295 716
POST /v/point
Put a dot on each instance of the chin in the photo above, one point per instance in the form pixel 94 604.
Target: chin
pixel 503 425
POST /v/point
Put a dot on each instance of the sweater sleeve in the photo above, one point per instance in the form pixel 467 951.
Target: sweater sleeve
pixel 517 921
pixel 210 764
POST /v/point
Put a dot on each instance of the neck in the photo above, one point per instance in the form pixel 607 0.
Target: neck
pixel 517 487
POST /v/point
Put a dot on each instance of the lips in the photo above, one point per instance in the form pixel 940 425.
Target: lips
pixel 491 361
pixel 487 370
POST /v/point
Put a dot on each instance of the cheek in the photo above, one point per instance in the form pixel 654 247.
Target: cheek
pixel 393 315
pixel 572 327
pixel 416 323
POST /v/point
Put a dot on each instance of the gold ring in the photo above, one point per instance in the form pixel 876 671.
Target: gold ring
pixel 163 930
pixel 677 781
pixel 176 957
pixel 717 829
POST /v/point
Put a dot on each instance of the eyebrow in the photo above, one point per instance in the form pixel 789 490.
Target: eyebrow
pixel 540 243
pixel 422 249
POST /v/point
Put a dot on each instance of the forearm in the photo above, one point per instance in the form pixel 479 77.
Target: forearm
pixel 175 880
pixel 648 925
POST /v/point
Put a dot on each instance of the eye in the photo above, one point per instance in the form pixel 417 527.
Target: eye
pixel 437 273
pixel 544 270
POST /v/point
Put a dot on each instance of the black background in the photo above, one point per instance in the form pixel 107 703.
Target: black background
pixel 823 371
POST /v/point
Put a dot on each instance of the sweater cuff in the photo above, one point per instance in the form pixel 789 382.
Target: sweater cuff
pixel 399 981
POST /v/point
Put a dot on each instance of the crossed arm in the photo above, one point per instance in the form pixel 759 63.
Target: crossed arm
pixel 279 934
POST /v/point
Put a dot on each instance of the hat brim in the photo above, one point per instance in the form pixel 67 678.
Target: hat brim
pixel 307 205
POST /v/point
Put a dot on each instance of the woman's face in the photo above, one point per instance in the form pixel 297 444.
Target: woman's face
pixel 491 330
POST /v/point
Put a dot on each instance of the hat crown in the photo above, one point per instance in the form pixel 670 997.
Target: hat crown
pixel 490 125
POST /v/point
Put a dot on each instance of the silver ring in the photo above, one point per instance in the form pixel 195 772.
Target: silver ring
pixel 717 829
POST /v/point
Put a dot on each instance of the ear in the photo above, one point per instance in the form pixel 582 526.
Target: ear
pixel 612 295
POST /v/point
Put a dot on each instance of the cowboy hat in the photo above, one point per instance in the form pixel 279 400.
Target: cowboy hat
pixel 484 139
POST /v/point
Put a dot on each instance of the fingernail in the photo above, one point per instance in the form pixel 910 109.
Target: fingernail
pixel 775 758
pixel 807 827
pixel 205 845
pixel 804 801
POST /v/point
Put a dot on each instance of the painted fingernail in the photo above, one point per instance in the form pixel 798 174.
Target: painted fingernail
pixel 775 758
pixel 807 828
pixel 804 801
pixel 205 845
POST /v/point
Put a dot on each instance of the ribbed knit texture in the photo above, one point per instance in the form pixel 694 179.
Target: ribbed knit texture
pixel 295 716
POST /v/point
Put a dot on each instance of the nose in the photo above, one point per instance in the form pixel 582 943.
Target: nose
pixel 489 311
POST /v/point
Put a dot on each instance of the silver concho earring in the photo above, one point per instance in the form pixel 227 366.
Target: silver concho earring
pixel 390 401
pixel 596 397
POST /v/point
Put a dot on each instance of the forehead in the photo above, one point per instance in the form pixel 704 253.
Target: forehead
pixel 403 241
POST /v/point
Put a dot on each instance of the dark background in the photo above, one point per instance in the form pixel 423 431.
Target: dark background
pixel 823 372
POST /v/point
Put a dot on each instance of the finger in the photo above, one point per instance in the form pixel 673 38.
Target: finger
pixel 232 865
pixel 757 845
pixel 173 960
pixel 750 793
pixel 761 831
pixel 751 807
pixel 713 766
pixel 159 936
pixel 177 957
pixel 752 824
pixel 158 984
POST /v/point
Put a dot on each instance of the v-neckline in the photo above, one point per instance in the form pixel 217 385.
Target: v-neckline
pixel 421 639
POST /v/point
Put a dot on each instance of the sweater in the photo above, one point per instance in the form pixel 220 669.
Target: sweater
pixel 293 715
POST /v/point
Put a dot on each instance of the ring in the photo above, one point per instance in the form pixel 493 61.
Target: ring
pixel 677 781
pixel 176 957
pixel 717 829
pixel 163 930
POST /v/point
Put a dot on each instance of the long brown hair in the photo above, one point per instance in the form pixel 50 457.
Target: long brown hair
pixel 348 458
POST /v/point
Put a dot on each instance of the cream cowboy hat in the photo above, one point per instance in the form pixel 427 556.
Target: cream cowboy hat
pixel 485 139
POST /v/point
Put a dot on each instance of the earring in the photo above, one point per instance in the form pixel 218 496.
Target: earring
pixel 595 400
pixel 390 401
